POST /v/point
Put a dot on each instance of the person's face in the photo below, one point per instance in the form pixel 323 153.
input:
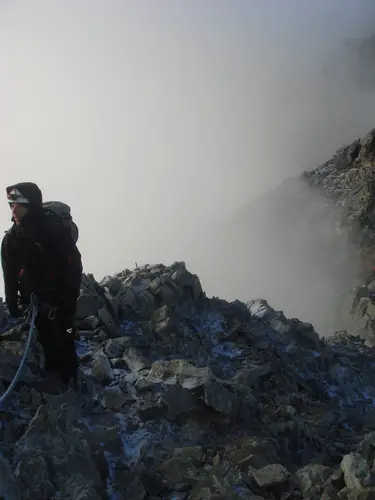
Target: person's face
pixel 18 212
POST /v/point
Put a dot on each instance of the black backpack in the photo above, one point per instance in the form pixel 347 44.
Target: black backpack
pixel 62 210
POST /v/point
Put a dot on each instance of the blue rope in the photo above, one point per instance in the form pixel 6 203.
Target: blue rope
pixel 27 347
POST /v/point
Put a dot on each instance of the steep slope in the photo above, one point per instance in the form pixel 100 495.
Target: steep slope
pixel 348 180
pixel 307 243
pixel 288 248
pixel 185 397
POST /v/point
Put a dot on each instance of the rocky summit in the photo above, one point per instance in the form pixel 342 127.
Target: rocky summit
pixel 187 397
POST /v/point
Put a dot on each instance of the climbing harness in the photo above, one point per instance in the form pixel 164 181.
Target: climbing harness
pixel 30 314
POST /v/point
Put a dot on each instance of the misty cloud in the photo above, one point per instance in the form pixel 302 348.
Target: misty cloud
pixel 159 121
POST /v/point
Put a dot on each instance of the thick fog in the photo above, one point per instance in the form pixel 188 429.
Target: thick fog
pixel 159 121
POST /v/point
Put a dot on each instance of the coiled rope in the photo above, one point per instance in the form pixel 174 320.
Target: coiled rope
pixel 33 310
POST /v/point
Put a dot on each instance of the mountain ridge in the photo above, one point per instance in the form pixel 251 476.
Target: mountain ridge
pixel 188 397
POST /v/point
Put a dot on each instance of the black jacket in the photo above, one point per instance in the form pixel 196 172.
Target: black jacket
pixel 39 256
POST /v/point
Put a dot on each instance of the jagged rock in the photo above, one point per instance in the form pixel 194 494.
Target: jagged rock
pixel 178 401
pixel 366 447
pixel 13 332
pixel 160 314
pixel 55 436
pixel 115 348
pixel 87 333
pixel 112 304
pixel 218 483
pixel 135 360
pixel 220 398
pixel 34 473
pixel 114 285
pixel 356 471
pixel 101 368
pixel 114 398
pixel 165 327
pixel 126 486
pixel 9 485
pixel 365 494
pixel 250 452
pixel 88 305
pixel 11 353
pixel 145 303
pixel 166 294
pixel 90 323
pixel 188 375
pixel 179 470
pixel 128 300
pixel 249 376
pixel 221 404
pixel 100 336
pixel 105 317
pixel 313 477
pixel 272 475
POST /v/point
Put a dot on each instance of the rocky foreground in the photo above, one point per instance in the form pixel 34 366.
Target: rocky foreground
pixel 185 397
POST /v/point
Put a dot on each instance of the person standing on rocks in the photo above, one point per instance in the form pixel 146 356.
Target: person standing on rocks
pixel 40 257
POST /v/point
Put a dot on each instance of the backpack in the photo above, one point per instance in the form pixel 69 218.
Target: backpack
pixel 62 210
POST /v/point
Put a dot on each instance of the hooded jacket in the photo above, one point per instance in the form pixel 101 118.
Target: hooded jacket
pixel 39 256
pixel 30 191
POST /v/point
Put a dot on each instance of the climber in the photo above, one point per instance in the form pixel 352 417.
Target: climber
pixel 39 256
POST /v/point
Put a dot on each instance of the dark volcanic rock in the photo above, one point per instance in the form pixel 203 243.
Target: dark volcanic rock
pixel 236 401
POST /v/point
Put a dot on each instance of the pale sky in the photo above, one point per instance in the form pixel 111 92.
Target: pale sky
pixel 156 119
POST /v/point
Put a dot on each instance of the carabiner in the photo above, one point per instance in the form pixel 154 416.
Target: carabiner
pixel 52 313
